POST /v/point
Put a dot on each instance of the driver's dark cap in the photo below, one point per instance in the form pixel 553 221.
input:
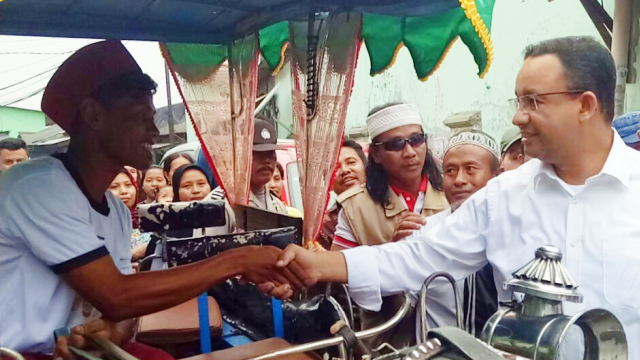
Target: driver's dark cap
pixel 80 75
pixel 265 137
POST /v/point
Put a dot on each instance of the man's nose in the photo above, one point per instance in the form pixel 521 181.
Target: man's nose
pixel 520 118
pixel 461 178
pixel 408 150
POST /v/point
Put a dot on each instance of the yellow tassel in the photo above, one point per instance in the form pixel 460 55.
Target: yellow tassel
pixel 283 59
pixel 393 59
pixel 444 54
pixel 471 12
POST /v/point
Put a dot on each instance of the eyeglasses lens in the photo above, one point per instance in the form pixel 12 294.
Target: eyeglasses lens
pixel 398 144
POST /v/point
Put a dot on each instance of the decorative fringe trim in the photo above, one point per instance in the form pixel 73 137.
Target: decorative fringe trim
pixel 283 59
pixel 471 11
pixel 203 147
pixel 437 66
pixel 393 60
pixel 167 58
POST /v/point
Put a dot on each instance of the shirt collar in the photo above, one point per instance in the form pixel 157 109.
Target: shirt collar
pixel 615 165
pixel 408 197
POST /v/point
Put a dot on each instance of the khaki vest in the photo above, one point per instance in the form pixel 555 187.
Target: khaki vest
pixel 372 223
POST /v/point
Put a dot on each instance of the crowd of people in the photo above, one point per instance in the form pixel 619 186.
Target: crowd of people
pixel 559 176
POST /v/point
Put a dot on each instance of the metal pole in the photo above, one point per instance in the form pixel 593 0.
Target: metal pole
pixel 620 50
pixel 339 339
pixel 172 134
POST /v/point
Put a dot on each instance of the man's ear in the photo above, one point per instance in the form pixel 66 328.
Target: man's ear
pixel 92 114
pixel 589 106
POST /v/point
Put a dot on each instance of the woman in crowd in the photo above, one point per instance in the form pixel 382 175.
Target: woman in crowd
pixel 125 188
pixel 190 183
pixel 153 180
pixel 174 161
pixel 276 185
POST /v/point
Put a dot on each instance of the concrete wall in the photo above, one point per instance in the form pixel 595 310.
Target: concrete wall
pixel 455 87
pixel 16 120
pixel 632 95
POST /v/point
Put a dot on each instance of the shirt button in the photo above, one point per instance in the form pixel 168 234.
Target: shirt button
pixel 408 198
pixel 575 201
pixel 573 244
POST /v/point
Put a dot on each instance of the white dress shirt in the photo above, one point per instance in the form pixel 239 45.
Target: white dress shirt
pixel 596 227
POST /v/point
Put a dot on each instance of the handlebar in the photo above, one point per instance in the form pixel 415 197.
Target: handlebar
pixel 337 340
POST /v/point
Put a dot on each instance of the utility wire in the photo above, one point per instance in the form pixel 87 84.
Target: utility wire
pixel 24 98
pixel 30 64
pixel 34 53
pixel 31 78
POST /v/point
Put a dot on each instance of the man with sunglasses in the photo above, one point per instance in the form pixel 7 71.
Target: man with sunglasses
pixel 403 186
pixel 579 192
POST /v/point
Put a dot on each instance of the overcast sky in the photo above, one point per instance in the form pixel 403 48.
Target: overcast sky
pixel 27 64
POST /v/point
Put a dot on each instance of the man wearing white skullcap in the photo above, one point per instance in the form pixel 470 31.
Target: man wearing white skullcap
pixel 403 186
pixel 470 161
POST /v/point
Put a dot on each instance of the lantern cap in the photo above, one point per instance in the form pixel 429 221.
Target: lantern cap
pixel 546 277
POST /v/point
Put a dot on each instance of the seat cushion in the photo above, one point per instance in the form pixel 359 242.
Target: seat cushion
pixel 255 349
pixel 178 324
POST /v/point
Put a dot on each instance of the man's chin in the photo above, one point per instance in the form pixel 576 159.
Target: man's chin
pixel 456 205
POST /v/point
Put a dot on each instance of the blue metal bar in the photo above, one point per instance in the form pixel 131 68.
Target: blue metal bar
pixel 278 320
pixel 232 336
pixel 205 329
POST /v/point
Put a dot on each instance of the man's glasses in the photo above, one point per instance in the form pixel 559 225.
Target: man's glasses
pixel 530 103
pixel 398 144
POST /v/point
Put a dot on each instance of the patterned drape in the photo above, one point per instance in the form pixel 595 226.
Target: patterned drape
pixel 204 79
pixel 319 135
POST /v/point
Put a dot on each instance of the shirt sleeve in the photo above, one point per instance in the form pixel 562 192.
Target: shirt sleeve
pixel 51 218
pixel 343 235
pixel 456 246
pixel 123 262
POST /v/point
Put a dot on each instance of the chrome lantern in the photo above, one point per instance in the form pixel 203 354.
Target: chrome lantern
pixel 536 327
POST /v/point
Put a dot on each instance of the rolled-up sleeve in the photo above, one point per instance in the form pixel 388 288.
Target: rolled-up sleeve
pixel 456 246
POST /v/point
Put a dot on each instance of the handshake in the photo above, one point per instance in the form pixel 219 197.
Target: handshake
pixel 281 273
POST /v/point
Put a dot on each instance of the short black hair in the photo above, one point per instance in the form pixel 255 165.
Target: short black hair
pixel 588 65
pixel 357 148
pixel 12 144
pixel 170 158
pixel 133 84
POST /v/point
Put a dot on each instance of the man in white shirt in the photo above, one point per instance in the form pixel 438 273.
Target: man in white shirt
pixel 65 239
pixel 579 193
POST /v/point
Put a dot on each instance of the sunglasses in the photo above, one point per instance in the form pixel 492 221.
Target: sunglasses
pixel 398 144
